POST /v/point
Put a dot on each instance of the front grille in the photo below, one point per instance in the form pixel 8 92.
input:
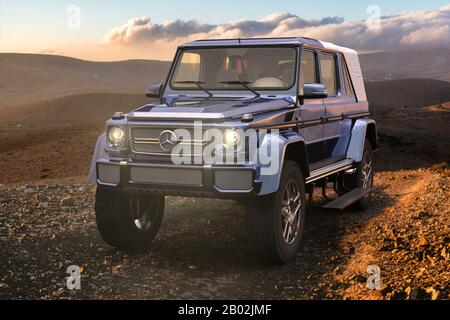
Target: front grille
pixel 146 140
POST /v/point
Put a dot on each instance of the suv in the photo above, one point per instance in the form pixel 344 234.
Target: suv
pixel 262 121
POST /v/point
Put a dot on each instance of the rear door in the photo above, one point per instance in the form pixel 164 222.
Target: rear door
pixel 312 109
pixel 336 129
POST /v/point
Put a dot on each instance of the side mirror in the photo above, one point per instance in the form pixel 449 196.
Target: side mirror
pixel 154 90
pixel 314 91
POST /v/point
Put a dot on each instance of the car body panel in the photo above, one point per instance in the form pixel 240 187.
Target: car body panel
pixel 358 137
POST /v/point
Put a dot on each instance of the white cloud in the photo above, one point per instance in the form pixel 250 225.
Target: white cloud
pixel 446 7
pixel 47 50
pixel 406 30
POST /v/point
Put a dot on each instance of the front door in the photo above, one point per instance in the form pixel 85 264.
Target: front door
pixel 312 109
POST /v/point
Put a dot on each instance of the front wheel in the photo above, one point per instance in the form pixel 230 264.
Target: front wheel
pixel 126 221
pixel 275 223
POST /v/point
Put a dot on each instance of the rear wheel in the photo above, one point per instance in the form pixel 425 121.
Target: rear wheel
pixel 363 177
pixel 128 222
pixel 275 223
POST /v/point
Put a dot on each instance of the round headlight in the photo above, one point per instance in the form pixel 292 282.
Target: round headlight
pixel 231 139
pixel 116 136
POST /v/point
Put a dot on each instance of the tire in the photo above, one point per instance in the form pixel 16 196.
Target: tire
pixel 363 177
pixel 270 218
pixel 128 222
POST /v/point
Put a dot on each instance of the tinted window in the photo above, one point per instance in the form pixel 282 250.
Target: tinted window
pixel 308 73
pixel 328 72
pixel 347 82
pixel 188 68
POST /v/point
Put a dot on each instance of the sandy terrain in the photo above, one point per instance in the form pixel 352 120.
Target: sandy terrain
pixel 47 220
pixel 200 251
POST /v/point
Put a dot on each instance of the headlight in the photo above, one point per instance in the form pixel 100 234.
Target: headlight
pixel 231 138
pixel 116 136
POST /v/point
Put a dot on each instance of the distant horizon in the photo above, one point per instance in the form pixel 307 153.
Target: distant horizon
pixel 171 58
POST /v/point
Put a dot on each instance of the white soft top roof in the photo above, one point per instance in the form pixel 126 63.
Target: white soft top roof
pixel 354 68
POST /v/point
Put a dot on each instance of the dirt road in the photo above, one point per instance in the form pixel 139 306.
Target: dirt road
pixel 201 251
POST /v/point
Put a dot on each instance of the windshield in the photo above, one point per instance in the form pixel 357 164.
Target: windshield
pixel 235 68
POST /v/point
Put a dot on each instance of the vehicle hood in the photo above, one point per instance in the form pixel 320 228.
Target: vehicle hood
pixel 212 109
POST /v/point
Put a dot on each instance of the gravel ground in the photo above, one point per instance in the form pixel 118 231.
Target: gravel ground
pixel 200 251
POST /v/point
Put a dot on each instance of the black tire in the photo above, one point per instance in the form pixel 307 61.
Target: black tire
pixel 265 221
pixel 128 222
pixel 356 180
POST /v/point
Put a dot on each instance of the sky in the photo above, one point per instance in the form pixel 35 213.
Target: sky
pixel 118 30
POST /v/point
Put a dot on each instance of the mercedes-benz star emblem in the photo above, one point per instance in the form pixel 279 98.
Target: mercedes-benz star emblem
pixel 167 140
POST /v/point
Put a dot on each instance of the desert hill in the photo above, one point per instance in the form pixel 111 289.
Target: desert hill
pixel 407 92
pixel 26 78
pixel 428 64
pixel 78 109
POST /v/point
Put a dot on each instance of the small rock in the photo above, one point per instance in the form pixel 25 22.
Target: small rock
pixel 67 201
pixel 29 190
pixel 43 205
pixel 117 270
pixel 58 292
pixel 422 241
pixel 4 285
pixel 434 293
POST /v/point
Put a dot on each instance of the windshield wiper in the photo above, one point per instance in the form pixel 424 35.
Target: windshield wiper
pixel 244 84
pixel 198 84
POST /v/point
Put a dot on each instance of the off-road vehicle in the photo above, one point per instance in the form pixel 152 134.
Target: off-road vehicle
pixel 262 121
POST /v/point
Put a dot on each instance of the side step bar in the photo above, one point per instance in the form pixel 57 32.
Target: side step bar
pixel 347 199
pixel 328 170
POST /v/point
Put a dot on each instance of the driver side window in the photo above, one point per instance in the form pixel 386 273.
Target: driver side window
pixel 188 69
pixel 328 71
pixel 308 68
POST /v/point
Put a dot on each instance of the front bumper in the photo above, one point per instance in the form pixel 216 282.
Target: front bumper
pixel 222 181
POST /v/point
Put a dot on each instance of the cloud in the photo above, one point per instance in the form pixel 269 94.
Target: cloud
pixel 143 29
pixel 446 7
pixel 47 50
pixel 413 29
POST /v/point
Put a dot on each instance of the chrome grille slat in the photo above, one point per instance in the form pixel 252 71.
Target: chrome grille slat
pixel 145 140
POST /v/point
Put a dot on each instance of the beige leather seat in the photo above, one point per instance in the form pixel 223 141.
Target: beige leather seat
pixel 268 82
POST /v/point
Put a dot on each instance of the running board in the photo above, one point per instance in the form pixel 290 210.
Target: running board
pixel 328 170
pixel 347 199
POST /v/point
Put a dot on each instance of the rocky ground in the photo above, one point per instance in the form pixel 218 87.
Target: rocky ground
pixel 200 251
